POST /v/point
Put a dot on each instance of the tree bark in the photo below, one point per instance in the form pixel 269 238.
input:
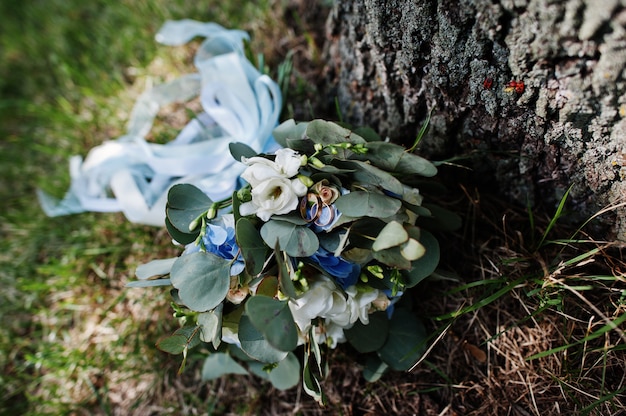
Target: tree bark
pixel 392 62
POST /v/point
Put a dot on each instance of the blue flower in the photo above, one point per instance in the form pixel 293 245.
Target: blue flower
pixel 220 240
pixel 343 272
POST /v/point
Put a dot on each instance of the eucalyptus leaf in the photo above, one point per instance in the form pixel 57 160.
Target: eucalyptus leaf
pixel 185 203
pixel 370 337
pixel 289 129
pixel 368 133
pixel 255 345
pixel 327 132
pixel 179 236
pixel 367 204
pixel 252 247
pixel 441 219
pixel 295 240
pixel 211 326
pixel 392 257
pixel 392 235
pixel 219 364
pixel 202 280
pixel 394 158
pixel 374 368
pixel 284 376
pixel 182 339
pixel 371 175
pixel 154 268
pixel 239 150
pixel 426 265
pixel 406 341
pixel 149 283
pixel 274 320
pixel 268 286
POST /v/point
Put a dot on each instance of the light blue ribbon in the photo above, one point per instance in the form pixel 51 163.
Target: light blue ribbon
pixel 132 175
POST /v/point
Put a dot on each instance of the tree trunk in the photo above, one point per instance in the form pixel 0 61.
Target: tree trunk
pixel 392 62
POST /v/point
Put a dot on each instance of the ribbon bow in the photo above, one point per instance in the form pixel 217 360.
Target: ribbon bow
pixel 132 175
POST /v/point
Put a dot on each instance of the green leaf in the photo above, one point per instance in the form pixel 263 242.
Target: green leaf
pixel 392 257
pixel 426 265
pixel 218 364
pixel 284 376
pixel 367 204
pixel 289 130
pixel 268 286
pixel 371 175
pixel 295 240
pixel 273 318
pixel 392 235
pixel 202 280
pixel 406 341
pixel 374 368
pixel 255 345
pixel 310 383
pixel 179 236
pixel 185 203
pixel 394 158
pixel 368 133
pixel 211 326
pixel 442 219
pixel 149 283
pixel 182 339
pixel 252 247
pixel 239 150
pixel 327 132
pixel 370 337
pixel 284 274
pixel 160 267
pixel 287 374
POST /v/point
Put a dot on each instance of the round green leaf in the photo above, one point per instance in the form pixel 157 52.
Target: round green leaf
pixel 295 240
pixel 367 204
pixel 202 280
pixel 211 325
pixel 239 150
pixel 179 236
pixel 284 376
pixel 255 345
pixel 392 235
pixel 219 364
pixel 425 265
pixel 370 337
pixel 274 319
pixel 374 368
pixel 406 341
pixel 185 203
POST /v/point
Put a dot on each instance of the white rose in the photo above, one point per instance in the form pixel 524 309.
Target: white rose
pixel 273 196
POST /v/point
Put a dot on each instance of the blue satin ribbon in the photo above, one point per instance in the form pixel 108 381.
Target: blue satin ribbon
pixel 132 175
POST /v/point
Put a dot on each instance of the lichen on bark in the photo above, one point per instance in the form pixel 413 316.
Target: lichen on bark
pixel 393 62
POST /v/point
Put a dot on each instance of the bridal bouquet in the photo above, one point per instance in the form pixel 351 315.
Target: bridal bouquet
pixel 316 248
pixel 293 239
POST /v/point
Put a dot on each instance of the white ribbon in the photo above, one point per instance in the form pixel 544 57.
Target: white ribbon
pixel 132 175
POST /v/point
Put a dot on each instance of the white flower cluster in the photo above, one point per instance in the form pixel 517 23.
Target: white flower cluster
pixel 324 300
pixel 273 189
